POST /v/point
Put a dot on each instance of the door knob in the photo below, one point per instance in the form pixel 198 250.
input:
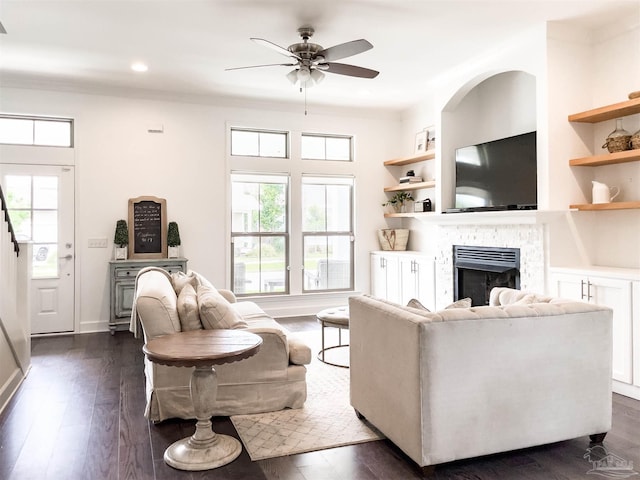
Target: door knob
pixel 66 257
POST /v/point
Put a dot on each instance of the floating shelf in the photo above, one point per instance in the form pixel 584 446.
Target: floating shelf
pixel 607 159
pixel 616 110
pixel 428 155
pixel 408 214
pixel 606 206
pixel 403 187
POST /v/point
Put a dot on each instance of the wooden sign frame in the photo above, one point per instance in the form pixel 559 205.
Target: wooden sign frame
pixel 147 227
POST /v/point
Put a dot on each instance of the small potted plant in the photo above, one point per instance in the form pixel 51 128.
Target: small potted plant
pixel 398 201
pixel 121 240
pixel 173 240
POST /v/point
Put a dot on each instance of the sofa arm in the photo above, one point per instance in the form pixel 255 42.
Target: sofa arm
pixel 299 352
pixel 385 369
pixel 228 295
pixel 269 364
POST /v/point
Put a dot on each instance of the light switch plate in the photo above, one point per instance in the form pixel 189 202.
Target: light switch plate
pixel 97 243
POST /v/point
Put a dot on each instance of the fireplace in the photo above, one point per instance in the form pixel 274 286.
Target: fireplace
pixel 476 270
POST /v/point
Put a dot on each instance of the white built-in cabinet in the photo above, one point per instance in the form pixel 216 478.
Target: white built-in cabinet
pixel 401 276
pixel 620 290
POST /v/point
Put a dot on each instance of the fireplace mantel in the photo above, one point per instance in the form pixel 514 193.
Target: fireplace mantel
pixel 505 217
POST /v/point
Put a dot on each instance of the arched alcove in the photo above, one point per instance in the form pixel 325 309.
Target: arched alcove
pixel 488 107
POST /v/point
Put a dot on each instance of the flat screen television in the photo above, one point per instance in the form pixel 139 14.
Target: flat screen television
pixel 497 175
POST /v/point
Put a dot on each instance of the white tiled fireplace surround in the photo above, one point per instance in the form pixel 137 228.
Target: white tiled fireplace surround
pixel 530 239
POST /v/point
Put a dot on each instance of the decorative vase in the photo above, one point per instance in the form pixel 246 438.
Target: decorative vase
pixel 173 252
pixel 618 140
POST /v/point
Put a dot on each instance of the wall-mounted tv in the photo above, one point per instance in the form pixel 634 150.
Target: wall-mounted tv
pixel 497 175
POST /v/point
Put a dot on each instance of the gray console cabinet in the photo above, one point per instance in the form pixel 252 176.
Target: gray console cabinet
pixel 122 274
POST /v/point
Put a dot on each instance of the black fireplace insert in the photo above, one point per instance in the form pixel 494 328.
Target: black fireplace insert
pixel 476 270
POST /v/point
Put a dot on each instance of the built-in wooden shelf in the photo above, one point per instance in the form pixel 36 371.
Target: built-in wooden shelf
pixel 403 187
pixel 606 206
pixel 616 110
pixel 607 159
pixel 408 214
pixel 428 155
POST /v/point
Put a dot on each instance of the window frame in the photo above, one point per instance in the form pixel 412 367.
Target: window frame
pixel 258 131
pixel 331 233
pixel 326 136
pixel 285 234
pixel 34 119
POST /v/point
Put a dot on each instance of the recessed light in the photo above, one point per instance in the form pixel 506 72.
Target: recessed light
pixel 139 67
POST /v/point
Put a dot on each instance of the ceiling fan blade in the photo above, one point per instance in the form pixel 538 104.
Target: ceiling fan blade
pixel 351 70
pixel 277 48
pixel 345 50
pixel 266 65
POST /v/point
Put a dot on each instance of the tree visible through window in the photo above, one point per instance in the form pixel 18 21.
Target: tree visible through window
pixel 259 233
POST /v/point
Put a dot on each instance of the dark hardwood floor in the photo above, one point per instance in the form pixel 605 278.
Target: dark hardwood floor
pixel 79 415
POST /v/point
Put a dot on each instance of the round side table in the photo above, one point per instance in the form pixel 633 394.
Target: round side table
pixel 337 317
pixel 202 349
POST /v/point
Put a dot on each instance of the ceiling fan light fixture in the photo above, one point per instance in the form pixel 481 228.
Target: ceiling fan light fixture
pixel 293 76
pixel 304 74
pixel 317 76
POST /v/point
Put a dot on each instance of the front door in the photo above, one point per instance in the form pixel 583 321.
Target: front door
pixel 41 205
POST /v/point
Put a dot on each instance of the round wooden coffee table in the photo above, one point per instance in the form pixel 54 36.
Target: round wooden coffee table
pixel 202 349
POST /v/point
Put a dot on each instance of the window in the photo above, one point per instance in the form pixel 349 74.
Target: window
pixel 259 143
pixel 327 147
pixel 52 132
pixel 33 208
pixel 259 233
pixel 327 233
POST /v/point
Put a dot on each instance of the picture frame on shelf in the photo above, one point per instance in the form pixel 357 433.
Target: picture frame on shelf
pixel 420 145
pixel 430 140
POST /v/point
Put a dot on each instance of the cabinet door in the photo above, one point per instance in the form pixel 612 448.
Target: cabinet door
pixel 124 292
pixel 617 295
pixel 612 293
pixel 568 286
pixel 417 281
pixel 384 277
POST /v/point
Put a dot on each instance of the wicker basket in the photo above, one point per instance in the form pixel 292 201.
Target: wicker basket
pixel 393 238
pixel 617 144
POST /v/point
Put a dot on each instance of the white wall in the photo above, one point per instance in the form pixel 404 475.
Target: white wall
pixel 117 159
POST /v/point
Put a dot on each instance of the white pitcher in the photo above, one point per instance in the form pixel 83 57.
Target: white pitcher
pixel 602 192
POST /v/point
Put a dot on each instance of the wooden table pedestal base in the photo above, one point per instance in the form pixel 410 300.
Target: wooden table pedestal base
pixel 205 449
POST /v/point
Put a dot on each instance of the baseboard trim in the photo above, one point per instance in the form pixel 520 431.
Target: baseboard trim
pixel 10 387
pixel 626 389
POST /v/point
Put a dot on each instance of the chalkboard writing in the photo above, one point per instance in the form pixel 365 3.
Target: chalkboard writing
pixel 147 221
pixel 148 235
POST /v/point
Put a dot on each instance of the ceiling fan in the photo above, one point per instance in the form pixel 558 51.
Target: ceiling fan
pixel 312 60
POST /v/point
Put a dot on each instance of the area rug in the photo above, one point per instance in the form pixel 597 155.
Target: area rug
pixel 327 420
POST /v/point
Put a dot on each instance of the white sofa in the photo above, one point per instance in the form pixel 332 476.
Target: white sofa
pixel 273 379
pixel 465 382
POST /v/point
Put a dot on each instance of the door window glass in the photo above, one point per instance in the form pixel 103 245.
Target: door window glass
pixel 32 201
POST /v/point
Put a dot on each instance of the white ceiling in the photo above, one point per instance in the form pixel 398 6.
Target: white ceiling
pixel 90 44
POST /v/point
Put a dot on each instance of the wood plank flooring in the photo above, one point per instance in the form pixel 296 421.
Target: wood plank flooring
pixel 79 415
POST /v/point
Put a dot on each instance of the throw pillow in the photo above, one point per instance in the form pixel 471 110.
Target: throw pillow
pixel 462 303
pixel 188 309
pixel 216 311
pixel 414 303
pixel 180 279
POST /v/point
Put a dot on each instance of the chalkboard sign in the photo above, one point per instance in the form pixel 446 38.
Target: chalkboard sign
pixel 148 227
